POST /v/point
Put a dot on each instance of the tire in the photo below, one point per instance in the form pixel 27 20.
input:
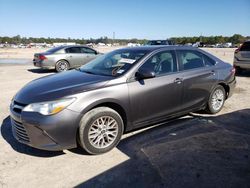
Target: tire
pixel 95 132
pixel 216 100
pixel 62 65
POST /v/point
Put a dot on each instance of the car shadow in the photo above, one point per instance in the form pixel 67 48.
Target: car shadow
pixel 42 71
pixel 6 133
pixel 194 151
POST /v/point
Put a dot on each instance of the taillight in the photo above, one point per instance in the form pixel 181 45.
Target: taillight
pixel 233 70
pixel 237 50
pixel 42 57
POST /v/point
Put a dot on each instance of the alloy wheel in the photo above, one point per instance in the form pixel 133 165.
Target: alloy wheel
pixel 217 99
pixel 103 132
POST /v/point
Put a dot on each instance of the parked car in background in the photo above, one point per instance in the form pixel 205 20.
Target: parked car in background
pixel 242 57
pixel 117 92
pixel 63 58
pixel 160 42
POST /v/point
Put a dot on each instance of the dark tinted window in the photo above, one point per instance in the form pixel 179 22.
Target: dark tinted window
pixel 245 46
pixel 87 50
pixel 189 59
pixel 161 63
pixel 73 50
pixel 208 61
pixel 53 50
pixel 160 42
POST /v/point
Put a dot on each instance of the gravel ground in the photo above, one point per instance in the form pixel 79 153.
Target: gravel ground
pixel 194 151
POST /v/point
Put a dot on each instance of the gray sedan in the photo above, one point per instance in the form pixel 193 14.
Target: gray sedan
pixel 63 58
pixel 120 91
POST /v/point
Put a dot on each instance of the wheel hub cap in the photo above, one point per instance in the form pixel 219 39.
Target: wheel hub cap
pixel 217 99
pixel 62 66
pixel 103 132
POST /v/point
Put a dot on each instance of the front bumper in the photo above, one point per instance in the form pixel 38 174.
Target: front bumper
pixel 55 132
pixel 232 86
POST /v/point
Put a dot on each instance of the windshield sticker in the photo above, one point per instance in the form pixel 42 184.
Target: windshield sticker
pixel 125 60
pixel 120 71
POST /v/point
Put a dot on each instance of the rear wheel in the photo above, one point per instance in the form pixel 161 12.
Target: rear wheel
pixel 62 65
pixel 100 130
pixel 216 100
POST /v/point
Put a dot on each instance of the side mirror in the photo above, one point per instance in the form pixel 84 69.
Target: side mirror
pixel 144 74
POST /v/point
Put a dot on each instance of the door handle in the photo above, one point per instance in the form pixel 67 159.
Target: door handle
pixel 178 80
pixel 212 72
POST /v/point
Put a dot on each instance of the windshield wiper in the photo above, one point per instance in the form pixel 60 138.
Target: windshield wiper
pixel 94 73
pixel 89 72
pixel 86 71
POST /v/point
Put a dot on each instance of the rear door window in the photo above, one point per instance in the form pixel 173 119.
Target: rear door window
pixel 208 61
pixel 73 50
pixel 189 59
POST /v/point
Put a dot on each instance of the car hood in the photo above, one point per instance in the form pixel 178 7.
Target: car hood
pixel 59 85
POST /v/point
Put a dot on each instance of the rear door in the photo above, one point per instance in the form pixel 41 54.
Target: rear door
pixel 244 52
pixel 199 76
pixel 151 100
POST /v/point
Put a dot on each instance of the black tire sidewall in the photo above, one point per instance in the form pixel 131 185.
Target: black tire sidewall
pixel 87 121
pixel 210 106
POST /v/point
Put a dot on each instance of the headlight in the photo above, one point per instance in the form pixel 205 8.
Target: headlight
pixel 49 108
pixel 12 102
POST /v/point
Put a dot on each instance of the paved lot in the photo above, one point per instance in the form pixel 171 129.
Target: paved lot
pixel 194 151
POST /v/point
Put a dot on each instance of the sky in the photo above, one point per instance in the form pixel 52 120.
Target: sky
pixel 143 19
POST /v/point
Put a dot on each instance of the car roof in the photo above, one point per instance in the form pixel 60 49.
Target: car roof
pixel 69 46
pixel 160 40
pixel 156 47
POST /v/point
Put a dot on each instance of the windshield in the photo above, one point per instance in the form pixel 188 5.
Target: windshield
pixel 114 63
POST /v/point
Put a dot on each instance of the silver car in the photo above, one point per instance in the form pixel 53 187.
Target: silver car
pixel 63 58
pixel 242 57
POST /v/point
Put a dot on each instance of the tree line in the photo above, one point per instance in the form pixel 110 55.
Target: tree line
pixel 24 40
pixel 235 39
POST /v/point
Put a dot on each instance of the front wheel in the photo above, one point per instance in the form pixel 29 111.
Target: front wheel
pixel 216 100
pixel 100 130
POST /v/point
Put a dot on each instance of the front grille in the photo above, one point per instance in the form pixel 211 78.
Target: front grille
pixel 20 131
pixel 18 107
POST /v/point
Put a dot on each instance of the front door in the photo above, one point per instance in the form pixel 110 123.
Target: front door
pixel 75 56
pixel 153 99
